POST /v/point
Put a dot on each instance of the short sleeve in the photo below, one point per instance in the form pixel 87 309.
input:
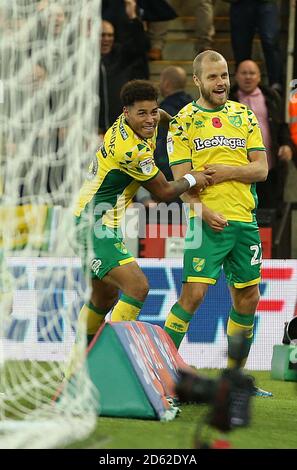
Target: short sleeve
pixel 178 148
pixel 139 163
pixel 255 140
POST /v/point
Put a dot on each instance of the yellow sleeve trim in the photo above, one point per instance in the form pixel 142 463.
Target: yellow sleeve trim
pixel 240 285
pixel 126 261
pixel 204 280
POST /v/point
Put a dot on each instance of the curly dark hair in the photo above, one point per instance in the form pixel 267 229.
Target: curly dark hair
pixel 138 90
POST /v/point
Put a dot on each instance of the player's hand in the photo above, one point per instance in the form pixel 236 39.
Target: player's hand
pixel 216 221
pixel 285 153
pixel 222 172
pixel 131 9
pixel 203 179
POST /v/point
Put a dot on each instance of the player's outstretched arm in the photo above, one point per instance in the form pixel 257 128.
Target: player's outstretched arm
pixel 255 171
pixel 169 190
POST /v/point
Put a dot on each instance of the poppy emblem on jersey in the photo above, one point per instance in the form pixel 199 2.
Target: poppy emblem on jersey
pixel 216 122
pixel 198 264
pixel 235 121
pixel 147 166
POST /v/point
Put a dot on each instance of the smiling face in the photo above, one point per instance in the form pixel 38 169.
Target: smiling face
pixel 107 37
pixel 143 117
pixel 56 19
pixel 213 82
pixel 248 76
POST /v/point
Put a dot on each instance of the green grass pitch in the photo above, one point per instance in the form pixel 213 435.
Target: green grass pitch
pixel 273 424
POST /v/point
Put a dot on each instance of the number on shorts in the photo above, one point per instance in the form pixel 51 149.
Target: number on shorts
pixel 257 250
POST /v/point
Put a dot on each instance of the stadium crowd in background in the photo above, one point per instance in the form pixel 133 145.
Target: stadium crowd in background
pixel 267 106
pixel 155 15
pixel 122 60
pixel 262 16
pixel 205 29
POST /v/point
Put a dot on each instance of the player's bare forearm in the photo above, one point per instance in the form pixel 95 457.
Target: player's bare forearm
pixel 179 187
pixel 251 173
pixel 256 170
pixel 191 196
pixel 170 190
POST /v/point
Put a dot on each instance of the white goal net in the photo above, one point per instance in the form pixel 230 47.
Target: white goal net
pixel 49 64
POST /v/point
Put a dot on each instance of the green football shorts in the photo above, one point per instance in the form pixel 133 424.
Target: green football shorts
pixel 237 248
pixel 101 248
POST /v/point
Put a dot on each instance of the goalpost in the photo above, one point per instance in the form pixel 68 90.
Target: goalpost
pixel 49 64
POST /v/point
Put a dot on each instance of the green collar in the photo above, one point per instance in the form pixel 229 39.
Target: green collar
pixel 215 110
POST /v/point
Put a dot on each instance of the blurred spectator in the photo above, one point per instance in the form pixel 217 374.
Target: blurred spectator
pixel 52 20
pixel 31 142
pixel 291 186
pixel 53 30
pixel 157 14
pixel 248 17
pixel 173 82
pixel 266 104
pixel 157 34
pixel 204 25
pixel 120 62
pixel 293 116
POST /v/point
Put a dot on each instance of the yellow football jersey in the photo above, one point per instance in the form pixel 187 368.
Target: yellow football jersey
pixel 122 162
pixel 224 135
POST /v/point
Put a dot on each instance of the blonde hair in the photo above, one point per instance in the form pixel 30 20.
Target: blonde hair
pixel 212 56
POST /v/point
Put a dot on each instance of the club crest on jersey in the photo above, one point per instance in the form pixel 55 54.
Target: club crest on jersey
pixel 236 121
pixel 198 264
pixel 147 166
